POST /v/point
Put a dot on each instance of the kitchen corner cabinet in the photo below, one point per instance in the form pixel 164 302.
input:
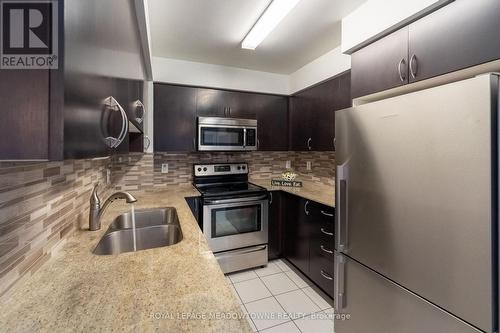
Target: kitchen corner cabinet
pixel 459 35
pixel 312 114
pixel 177 107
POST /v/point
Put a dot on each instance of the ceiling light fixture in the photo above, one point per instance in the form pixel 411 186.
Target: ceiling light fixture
pixel 271 17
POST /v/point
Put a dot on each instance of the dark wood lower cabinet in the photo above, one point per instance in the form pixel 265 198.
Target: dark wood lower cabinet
pixel 275 240
pixel 321 247
pixel 307 229
pixel 297 232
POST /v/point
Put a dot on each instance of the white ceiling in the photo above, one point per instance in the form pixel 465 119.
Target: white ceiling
pixel 210 31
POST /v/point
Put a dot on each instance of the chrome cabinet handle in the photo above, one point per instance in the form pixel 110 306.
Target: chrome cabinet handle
pixel 194 144
pixel 413 71
pixel 270 198
pixel 139 106
pixel 326 214
pixel 326 232
pixel 146 138
pixel 339 287
pixel 325 275
pixel 402 77
pixel 309 143
pixel 113 104
pixel 305 208
pixel 325 250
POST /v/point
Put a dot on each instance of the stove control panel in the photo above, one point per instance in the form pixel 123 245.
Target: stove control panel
pixel 220 169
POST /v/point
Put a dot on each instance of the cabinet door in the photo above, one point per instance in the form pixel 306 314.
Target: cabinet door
pixel 464 33
pixel 174 118
pixel 24 100
pixel 324 102
pixel 86 119
pixel 300 122
pixel 241 105
pixel 211 102
pixel 275 226
pixel 297 237
pixel 272 120
pixel 381 65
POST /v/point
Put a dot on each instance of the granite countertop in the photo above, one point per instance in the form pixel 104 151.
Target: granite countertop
pixel 160 289
pixel 322 193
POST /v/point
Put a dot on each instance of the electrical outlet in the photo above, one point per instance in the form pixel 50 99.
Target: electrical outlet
pixel 108 176
pixel 164 168
pixel 308 165
pixel 288 164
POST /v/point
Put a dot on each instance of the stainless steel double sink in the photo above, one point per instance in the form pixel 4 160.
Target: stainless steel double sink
pixel 154 228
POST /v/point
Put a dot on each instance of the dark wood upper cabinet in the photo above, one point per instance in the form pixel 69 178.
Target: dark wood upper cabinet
pixel 211 103
pixel 174 118
pixel 24 101
pixel 272 121
pixel 381 65
pixel 312 114
pixel 59 113
pixel 177 107
pixel 462 34
pixel 300 122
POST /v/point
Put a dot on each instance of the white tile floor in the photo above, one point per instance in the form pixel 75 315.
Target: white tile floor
pixel 277 299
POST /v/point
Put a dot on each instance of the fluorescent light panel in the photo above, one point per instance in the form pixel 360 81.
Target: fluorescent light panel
pixel 272 16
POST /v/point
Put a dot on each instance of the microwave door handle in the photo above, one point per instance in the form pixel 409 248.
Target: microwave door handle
pixel 244 138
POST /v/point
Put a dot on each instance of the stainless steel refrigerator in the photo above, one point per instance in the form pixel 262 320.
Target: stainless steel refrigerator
pixel 417 212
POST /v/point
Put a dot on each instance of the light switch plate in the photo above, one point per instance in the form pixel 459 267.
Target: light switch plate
pixel 108 176
pixel 164 168
pixel 288 164
pixel 308 165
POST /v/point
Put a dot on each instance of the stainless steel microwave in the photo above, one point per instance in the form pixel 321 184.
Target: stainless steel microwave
pixel 227 134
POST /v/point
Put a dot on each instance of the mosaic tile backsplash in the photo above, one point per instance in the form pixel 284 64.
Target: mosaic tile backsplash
pixel 42 204
pixel 143 171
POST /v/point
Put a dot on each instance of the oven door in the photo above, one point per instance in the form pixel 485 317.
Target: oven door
pixel 220 138
pixel 230 224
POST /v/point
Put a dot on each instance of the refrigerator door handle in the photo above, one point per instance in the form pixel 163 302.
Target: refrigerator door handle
pixel 342 216
pixel 339 279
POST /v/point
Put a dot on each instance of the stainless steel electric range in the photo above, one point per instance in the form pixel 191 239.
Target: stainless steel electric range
pixel 233 215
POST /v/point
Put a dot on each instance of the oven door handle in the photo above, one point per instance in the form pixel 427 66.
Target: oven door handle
pixel 244 199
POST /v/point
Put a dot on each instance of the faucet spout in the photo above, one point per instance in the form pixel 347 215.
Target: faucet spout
pixel 96 210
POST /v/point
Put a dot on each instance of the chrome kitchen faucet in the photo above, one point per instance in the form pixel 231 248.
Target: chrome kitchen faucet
pixel 96 210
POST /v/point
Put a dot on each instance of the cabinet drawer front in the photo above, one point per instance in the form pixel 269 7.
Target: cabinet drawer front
pixel 322 247
pixel 321 213
pixel 321 272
